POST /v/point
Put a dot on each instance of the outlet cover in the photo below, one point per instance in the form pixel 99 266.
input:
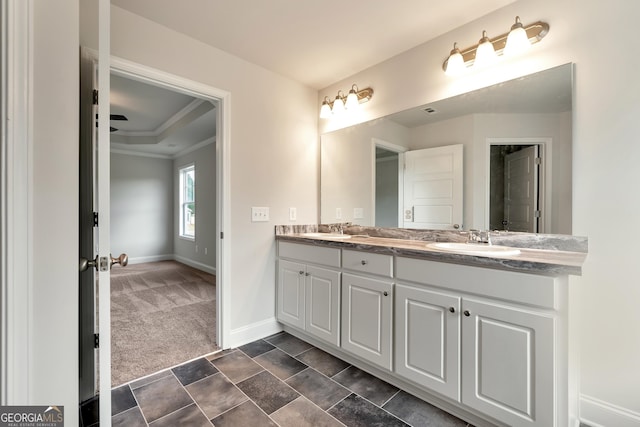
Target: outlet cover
pixel 338 213
pixel 358 213
pixel 259 214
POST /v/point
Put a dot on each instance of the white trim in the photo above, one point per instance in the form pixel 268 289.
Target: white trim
pixel 598 413
pixel 152 258
pixel 195 147
pixel 545 176
pixel 143 73
pixel 103 198
pixel 140 154
pixel 17 201
pixel 254 331
pixel 195 264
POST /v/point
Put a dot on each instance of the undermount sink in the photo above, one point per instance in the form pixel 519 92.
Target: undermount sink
pixel 328 235
pixel 474 248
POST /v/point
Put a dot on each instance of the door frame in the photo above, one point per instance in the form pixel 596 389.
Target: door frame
pixel 544 201
pixel 389 146
pixel 157 77
pixel 16 192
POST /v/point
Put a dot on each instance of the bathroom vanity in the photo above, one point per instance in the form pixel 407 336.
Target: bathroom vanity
pixel 484 337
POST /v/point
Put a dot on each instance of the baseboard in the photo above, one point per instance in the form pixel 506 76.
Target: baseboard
pixel 254 331
pixel 195 264
pixel 154 258
pixel 597 413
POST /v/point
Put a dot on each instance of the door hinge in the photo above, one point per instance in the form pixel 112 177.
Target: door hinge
pixel 538 161
pixel 95 97
pixel 222 235
pixel 95 219
pixel 96 340
pixel 537 214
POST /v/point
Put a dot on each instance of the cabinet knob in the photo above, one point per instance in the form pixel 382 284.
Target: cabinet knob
pixel 301 272
pixel 307 274
pixel 466 313
pixel 364 262
pixel 385 293
pixel 451 309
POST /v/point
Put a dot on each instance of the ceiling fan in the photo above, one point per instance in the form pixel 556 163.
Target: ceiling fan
pixel 120 117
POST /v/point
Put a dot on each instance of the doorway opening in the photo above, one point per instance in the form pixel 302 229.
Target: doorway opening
pixel 518 170
pixel 163 305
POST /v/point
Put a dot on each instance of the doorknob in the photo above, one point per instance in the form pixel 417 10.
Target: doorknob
pixel 123 260
pixel 86 263
pixel 101 263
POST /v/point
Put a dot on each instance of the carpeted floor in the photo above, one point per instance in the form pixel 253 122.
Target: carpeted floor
pixel 162 314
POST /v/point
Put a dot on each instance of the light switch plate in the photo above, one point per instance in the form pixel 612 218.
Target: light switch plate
pixel 293 214
pixel 259 214
pixel 338 213
pixel 358 213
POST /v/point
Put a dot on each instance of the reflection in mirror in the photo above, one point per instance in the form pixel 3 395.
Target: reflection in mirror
pixel 357 180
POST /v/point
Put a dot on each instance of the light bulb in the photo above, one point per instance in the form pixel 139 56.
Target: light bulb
pixel 338 105
pixel 455 63
pixel 485 54
pixel 352 102
pixel 517 40
pixel 325 110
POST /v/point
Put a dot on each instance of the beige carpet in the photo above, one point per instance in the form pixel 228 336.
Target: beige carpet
pixel 162 314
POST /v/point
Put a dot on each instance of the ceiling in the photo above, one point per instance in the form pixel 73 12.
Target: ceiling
pixel 159 120
pixel 313 42
pixel 316 43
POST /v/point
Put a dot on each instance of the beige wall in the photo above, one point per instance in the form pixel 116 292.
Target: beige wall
pixel 54 328
pixel 597 36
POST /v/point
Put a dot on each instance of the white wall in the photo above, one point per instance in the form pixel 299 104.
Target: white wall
pixel 599 38
pixel 347 175
pixel 204 160
pixel 473 130
pixel 274 154
pixel 54 328
pixel 142 204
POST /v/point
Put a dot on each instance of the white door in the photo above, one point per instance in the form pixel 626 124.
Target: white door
pixel 507 363
pixel 322 304
pixel 427 334
pixel 94 236
pixel 521 209
pixel 433 185
pixel 367 306
pixel 291 278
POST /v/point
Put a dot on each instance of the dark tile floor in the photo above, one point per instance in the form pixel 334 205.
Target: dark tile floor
pixel 277 381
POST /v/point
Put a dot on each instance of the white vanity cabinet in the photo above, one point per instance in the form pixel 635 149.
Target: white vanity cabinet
pixel 427 334
pixel 495 356
pixel 308 294
pixel 367 306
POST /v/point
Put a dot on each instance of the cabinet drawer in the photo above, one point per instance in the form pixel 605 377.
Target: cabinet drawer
pixel 311 254
pixel 367 262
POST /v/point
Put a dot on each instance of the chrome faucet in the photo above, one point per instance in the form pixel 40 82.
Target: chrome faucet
pixel 477 236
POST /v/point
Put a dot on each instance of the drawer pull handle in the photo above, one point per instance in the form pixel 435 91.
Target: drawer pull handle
pixel 466 313
pixel 364 262
pixel 451 309
pixel 385 293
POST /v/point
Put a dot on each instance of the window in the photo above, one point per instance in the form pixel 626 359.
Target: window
pixel 188 202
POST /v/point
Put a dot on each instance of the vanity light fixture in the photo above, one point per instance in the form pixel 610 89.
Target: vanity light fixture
pixel 517 40
pixel 343 103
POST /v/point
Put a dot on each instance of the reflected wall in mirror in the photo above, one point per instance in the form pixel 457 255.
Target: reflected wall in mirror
pixel 363 166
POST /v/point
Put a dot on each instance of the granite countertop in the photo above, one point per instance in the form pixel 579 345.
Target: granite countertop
pixel 547 261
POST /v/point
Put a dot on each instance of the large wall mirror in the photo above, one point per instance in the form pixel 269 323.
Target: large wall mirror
pixel 496 158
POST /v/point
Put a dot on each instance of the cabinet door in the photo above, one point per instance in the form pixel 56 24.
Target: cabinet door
pixel 366 318
pixel 508 364
pixel 290 298
pixel 323 304
pixel 427 334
